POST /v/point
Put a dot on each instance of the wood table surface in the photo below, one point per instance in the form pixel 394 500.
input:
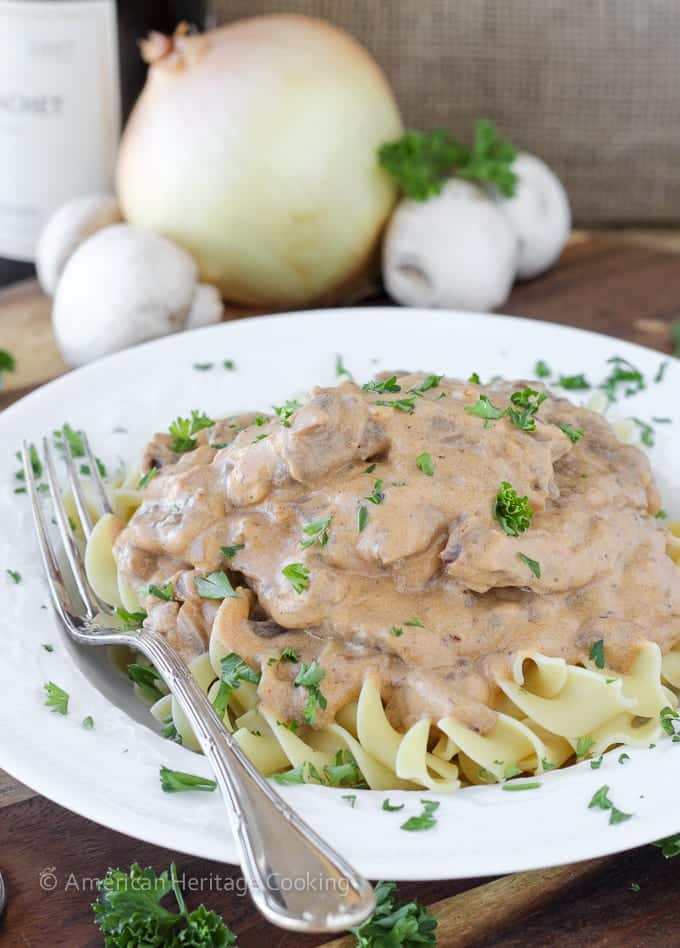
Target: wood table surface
pixel 626 284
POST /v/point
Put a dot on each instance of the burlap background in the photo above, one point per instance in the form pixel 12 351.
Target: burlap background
pixel 593 86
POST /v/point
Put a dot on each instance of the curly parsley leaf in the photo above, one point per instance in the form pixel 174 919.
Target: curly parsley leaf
pixel 407 405
pixel 670 846
pixel 392 808
pixel 130 620
pixel 395 924
pixel 14 576
pixel 525 405
pixel 215 586
pixel 429 382
pixel 484 408
pixel 573 383
pixel 387 385
pixel 377 495
pixel 574 434
pixel 623 373
pixel 167 592
pixel 146 678
pixel 230 552
pixel 601 800
pixel 513 512
pixel 56 699
pixel 542 370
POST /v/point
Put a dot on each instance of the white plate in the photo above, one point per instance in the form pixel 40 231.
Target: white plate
pixel 110 774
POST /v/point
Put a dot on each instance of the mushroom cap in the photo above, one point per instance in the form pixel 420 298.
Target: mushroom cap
pixel 456 250
pixel 539 214
pixel 206 307
pixel 66 229
pixel 121 287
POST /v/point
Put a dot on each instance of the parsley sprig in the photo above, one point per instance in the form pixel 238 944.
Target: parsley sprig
pixel 297 575
pixel 425 820
pixel 56 699
pixel 420 162
pixel 129 911
pixel 316 532
pixel 183 431
pixel 602 801
pixel 393 924
pixel 233 670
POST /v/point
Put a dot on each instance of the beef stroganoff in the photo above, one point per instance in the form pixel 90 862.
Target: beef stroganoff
pixel 417 582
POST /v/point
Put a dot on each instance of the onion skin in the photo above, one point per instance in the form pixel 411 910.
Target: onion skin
pixel 254 147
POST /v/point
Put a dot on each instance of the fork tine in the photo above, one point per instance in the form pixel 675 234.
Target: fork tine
pixel 72 551
pixel 55 581
pixel 75 484
pixel 96 476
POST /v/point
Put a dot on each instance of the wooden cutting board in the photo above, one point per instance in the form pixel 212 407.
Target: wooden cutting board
pixel 625 284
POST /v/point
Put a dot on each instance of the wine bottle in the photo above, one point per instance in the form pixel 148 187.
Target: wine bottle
pixel 69 74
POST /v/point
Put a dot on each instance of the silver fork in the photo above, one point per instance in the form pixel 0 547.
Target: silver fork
pixel 276 847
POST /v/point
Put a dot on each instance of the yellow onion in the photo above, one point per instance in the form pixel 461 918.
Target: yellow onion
pixel 254 147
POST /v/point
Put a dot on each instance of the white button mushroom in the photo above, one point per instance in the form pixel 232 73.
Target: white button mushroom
pixel 539 214
pixel 122 287
pixel 456 250
pixel 66 229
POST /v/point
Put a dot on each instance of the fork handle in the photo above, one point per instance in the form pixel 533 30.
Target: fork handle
pixel 296 879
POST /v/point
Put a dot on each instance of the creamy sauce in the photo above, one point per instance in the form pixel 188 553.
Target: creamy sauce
pixel 431 552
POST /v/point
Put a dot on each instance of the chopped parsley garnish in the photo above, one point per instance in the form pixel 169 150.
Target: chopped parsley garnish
pixel 533 785
pixel 597 653
pixel 661 514
pixel 145 677
pixel 316 532
pixel 661 371
pixel 525 404
pixel 231 551
pixel 66 435
pixel 344 772
pixel 513 513
pixel 396 631
pixel 130 620
pixel 406 405
pixel 184 429
pixel 147 478
pixel 233 671
pixel 542 370
pixel 376 496
pixel 176 781
pixel 88 722
pixel 228 364
pixel 391 808
pixel 601 801
pixel 622 373
pixel 425 820
pixel 430 381
pixel 166 592
pixel 56 698
pixel 574 434
pixel 340 368
pixel 511 771
pixel 425 464
pixel 351 799
pixel 623 758
pixel 370 468
pixel 13 575
pixel 414 622
pixel 215 586
pixel 203 366
pixel 675 336
pixel 667 719
pixel 363 518
pixel 420 162
pixel 546 765
pixel 596 764
pixel 647 436
pixel 484 408
pixel 584 745
pixel 670 846
pixel 297 575
pixel 387 385
pixel 295 775
pixel 7 363
pixel 533 565
pixel 393 924
pixel 475 379
pixel 287 655
pixel 573 383
pixel 287 410
pixel 310 677
pixel 48 646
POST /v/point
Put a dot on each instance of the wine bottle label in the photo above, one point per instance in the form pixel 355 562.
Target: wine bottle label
pixel 59 111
